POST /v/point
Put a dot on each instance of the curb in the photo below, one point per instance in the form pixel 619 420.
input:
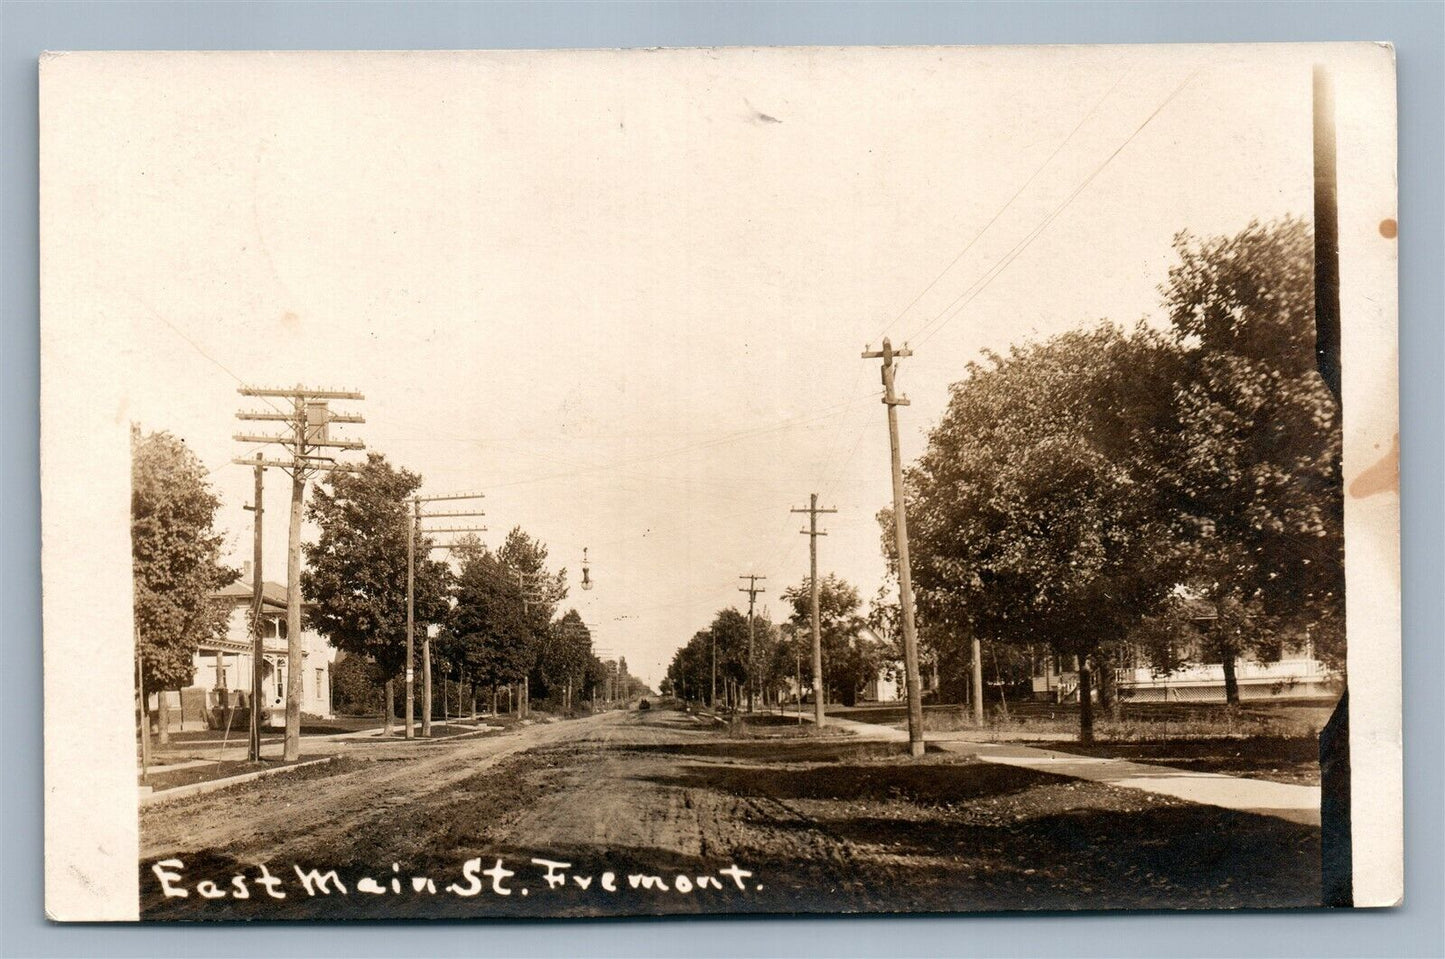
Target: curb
pixel 150 798
pixel 422 741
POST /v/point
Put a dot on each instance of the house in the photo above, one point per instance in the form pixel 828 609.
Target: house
pixel 1296 675
pixel 221 685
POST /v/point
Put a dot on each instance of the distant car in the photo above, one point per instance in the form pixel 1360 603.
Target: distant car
pixel 644 705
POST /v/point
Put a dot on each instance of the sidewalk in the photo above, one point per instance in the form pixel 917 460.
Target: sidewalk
pixel 1299 804
pixel 312 745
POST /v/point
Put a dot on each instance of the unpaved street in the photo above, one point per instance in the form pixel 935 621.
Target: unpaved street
pixel 677 815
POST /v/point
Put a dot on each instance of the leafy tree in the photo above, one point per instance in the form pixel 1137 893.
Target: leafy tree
pixel 562 661
pixel 850 657
pixel 175 559
pixel 690 672
pixel 495 633
pixel 505 601
pixel 520 553
pixel 729 630
pixel 594 677
pixel 1039 511
pixel 773 656
pixel 355 581
pixel 1261 442
pixel 357 686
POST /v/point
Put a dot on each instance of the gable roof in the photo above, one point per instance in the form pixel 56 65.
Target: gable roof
pixel 240 592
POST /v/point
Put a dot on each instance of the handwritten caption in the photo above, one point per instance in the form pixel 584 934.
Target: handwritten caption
pixel 545 875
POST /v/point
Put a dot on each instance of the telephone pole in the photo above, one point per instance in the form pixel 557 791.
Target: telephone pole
pixel 526 584
pixel 258 641
pixel 310 421
pixel 812 532
pixel 414 531
pixel 900 523
pixel 977 681
pixel 752 589
pixel 798 665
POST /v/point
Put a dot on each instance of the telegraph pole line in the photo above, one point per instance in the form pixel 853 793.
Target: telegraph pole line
pixel 258 642
pixel 526 584
pixel 752 589
pixel 812 532
pixel 900 523
pixel 410 620
pixel 414 531
pixel 310 420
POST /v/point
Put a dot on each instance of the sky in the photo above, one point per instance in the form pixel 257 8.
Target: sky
pixel 624 294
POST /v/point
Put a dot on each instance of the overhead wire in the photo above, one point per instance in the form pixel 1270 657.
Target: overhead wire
pixel 968 295
pixel 1008 203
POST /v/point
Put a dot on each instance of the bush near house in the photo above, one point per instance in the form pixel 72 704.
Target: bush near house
pixel 357 686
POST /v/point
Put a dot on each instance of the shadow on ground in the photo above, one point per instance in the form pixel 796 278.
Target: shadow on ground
pixel 823 827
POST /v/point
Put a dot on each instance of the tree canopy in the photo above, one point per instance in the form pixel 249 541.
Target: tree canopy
pixel 355 581
pixel 851 656
pixel 1074 486
pixel 175 559
pixel 505 600
pixel 1260 436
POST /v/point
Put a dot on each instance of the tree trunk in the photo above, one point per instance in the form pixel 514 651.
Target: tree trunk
pixel 390 706
pixel 1086 703
pixel 1002 686
pixel 1231 683
pixel 163 717
pixel 1109 686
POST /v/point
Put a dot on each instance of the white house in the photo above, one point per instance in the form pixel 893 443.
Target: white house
pixel 222 677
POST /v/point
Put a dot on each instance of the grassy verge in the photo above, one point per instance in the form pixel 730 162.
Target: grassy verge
pixel 160 781
pixel 1271 758
pixel 1133 722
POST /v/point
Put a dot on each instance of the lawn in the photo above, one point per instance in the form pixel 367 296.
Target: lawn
pixel 1136 722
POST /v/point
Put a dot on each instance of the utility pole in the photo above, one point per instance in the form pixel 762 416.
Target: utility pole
pixel 712 700
pixel 258 634
pixel 414 531
pixel 527 586
pixel 977 682
pixel 411 620
pixel 812 532
pixel 752 589
pixel 310 420
pixel 798 664
pixel 143 702
pixel 900 522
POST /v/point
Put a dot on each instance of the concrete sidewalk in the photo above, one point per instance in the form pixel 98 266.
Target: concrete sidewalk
pixel 1300 804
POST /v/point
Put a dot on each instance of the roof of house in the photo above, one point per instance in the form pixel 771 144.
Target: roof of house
pixel 272 594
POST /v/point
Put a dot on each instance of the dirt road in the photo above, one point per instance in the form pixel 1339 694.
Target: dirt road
pixel 658 812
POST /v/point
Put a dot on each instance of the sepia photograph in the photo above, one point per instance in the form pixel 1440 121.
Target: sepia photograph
pixel 551 484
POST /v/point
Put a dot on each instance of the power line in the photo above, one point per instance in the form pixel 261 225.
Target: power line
pixel 719 441
pixel 1017 193
pixel 968 295
pixel 196 346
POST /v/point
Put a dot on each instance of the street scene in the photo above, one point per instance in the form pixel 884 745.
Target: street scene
pixel 734 482
pixel 831 823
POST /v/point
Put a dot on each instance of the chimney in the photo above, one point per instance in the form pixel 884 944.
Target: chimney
pixel 246 571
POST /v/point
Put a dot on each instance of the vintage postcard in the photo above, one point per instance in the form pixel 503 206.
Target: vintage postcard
pixel 618 483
